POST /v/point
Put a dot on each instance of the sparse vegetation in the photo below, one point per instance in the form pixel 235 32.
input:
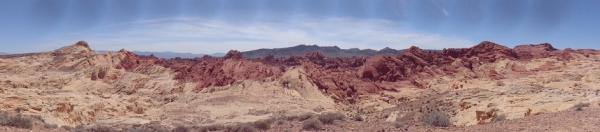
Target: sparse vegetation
pixel 302 117
pixel 358 118
pixel 263 124
pixel 499 118
pixel 500 83
pixel 329 118
pixel 18 121
pixel 211 128
pixel 398 124
pixel 181 129
pixel 257 112
pixel 242 128
pixel 580 106
pixel 437 119
pixel 93 129
pixel 312 124
pixel 150 127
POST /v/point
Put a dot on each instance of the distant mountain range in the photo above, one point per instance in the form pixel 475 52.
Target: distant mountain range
pixel 328 51
pixel 299 50
pixel 168 55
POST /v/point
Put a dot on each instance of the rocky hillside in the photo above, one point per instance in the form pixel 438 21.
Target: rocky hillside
pixel 76 86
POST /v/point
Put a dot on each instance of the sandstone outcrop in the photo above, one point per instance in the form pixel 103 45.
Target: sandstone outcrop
pixel 75 85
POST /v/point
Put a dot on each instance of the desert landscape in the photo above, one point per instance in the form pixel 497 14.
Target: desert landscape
pixel 488 87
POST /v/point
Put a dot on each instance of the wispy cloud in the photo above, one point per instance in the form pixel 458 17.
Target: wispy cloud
pixel 209 36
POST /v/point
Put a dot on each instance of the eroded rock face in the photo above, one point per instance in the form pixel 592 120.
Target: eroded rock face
pixel 73 85
pixel 132 61
pixel 535 51
pixel 347 78
pixel 485 51
pixel 220 71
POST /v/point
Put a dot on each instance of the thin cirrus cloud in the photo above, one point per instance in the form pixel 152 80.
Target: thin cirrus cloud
pixel 209 36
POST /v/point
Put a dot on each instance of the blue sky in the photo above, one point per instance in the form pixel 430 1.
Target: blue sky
pixel 209 26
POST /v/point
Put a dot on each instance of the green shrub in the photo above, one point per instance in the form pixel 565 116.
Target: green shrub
pixel 18 121
pixel 181 129
pixel 211 128
pixel 242 128
pixel 263 124
pixel 93 129
pixel 149 127
pixel 436 118
pixel 329 118
pixel 580 106
pixel 312 124
pixel 302 117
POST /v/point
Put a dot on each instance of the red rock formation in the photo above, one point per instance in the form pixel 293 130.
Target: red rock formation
pixel 347 78
pixel 484 51
pixel 209 71
pixel 534 51
pixel 132 61
pixel 233 54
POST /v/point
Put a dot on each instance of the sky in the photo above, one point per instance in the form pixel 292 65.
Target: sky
pixel 212 26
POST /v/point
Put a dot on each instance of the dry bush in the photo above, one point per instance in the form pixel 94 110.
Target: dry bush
pixel 312 124
pixel 241 128
pixel 436 118
pixel 18 121
pixel 499 118
pixel 302 117
pixel 358 118
pixel 263 124
pixel 258 112
pixel 93 129
pixel 573 77
pixel 211 128
pixel 181 129
pixel 580 106
pixel 329 118
pixel 149 127
pixel 500 83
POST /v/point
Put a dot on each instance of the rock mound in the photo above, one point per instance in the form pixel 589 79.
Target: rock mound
pixel 484 51
pixel 79 48
pixel 534 50
pixel 233 54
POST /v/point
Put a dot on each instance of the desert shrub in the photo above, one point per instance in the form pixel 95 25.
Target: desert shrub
pixel 257 112
pixel 358 118
pixel 580 106
pixel 280 122
pixel 242 128
pixel 93 129
pixel 149 127
pixel 211 128
pixel 499 118
pixel 101 129
pixel 436 118
pixel 18 121
pixel 50 126
pixel 500 83
pixel 329 118
pixel 312 124
pixel 263 124
pixel 302 117
pixel 398 124
pixel 573 77
pixel 181 129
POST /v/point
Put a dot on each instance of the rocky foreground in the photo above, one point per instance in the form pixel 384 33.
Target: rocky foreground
pixel 477 88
